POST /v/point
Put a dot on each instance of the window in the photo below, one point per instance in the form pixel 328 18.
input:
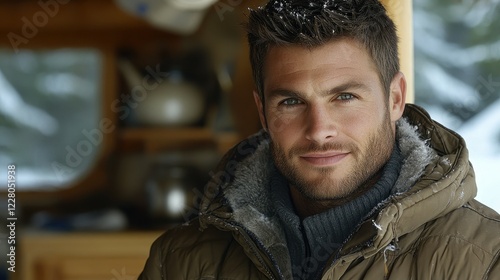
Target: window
pixel 50 102
pixel 457 79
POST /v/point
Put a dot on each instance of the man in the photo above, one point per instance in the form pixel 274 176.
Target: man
pixel 344 181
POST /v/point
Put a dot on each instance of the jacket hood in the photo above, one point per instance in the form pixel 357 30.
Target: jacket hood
pixel 429 186
pixel 443 185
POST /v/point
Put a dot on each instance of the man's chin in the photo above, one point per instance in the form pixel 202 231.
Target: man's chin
pixel 323 190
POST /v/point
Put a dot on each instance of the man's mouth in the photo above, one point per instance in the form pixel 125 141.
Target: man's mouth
pixel 324 158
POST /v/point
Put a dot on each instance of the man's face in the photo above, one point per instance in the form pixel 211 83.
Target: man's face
pixel 331 125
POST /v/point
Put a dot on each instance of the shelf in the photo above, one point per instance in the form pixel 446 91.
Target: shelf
pixel 156 139
pixel 166 134
pixel 107 255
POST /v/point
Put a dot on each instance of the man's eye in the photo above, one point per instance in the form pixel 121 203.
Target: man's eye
pixel 345 96
pixel 291 102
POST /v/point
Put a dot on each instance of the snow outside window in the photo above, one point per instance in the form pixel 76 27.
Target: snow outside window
pixel 457 79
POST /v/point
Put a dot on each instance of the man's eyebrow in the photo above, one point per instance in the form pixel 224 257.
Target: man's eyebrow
pixel 281 92
pixel 347 86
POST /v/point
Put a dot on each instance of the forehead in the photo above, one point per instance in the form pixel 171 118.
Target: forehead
pixel 336 59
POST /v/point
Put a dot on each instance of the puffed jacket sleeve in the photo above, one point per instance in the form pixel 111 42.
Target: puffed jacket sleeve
pixel 153 267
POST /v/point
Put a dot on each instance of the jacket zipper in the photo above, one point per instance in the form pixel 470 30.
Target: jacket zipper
pixel 252 241
pixel 358 248
pixel 355 250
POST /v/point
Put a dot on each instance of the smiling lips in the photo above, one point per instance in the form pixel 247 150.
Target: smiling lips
pixel 324 159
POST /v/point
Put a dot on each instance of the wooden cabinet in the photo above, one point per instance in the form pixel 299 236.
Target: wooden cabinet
pixel 151 140
pixel 84 256
pixel 103 27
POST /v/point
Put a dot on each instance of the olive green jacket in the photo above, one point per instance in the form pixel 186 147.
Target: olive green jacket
pixel 429 228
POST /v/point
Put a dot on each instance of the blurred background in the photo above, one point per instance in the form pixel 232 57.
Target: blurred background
pixel 457 79
pixel 114 113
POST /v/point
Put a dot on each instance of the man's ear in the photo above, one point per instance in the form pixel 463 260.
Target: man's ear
pixel 397 97
pixel 260 108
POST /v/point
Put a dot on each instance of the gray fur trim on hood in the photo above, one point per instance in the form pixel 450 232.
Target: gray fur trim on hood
pixel 416 153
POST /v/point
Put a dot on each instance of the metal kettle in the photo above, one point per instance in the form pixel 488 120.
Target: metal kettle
pixel 172 101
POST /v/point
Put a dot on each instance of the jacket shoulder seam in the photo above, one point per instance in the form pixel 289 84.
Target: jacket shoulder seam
pixel 474 210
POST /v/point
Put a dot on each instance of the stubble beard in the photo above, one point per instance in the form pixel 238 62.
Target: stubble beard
pixel 368 164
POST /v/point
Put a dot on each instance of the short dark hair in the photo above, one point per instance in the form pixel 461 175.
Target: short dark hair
pixel 312 24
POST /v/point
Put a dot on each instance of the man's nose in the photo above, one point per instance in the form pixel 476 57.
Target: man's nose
pixel 320 124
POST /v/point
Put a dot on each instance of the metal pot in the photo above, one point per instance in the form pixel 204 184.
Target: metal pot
pixel 174 192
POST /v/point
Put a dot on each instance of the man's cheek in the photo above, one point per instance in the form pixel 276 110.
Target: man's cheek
pixel 280 123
